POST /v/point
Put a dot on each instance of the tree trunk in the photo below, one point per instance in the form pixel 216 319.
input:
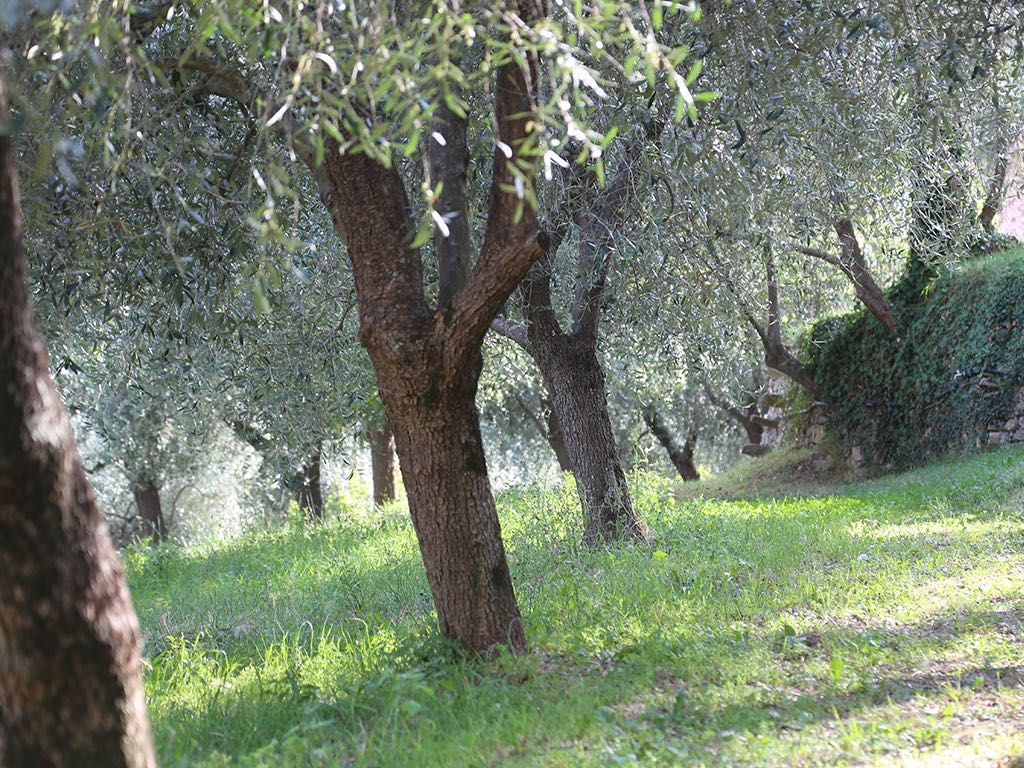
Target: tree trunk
pixel 777 355
pixel 866 288
pixel 573 376
pixel 310 492
pixel 70 650
pixel 745 418
pixel 428 362
pixel 382 462
pixel 549 429
pixel 437 436
pixel 754 430
pixel 147 501
pixel 555 437
pixel 997 189
pixel 681 458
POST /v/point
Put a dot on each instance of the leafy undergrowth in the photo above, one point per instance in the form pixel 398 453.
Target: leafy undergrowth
pixel 872 623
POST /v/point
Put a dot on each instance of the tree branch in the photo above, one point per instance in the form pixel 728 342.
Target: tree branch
pixel 816 253
pixel 447 165
pixel 853 264
pixel 776 354
pixel 510 330
pixel 726 406
pixel 537 420
pixel 218 79
pixel 997 187
pixel 512 240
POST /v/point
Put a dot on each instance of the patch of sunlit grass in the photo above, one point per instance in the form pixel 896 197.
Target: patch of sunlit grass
pixel 869 622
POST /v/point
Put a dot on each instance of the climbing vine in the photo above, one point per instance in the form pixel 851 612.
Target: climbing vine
pixel 953 372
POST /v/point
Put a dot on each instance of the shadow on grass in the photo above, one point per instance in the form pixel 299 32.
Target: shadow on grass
pixel 542 701
pixel 712 556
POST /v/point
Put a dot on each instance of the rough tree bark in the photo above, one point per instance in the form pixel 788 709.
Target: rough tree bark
pixel 147 502
pixel 681 458
pixel 573 375
pixel 428 360
pixel 382 464
pixel 70 650
pixel 556 436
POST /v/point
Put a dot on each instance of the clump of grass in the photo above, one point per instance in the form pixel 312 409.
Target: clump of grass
pixel 859 622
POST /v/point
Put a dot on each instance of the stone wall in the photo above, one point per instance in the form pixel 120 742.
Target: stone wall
pixel 1011 430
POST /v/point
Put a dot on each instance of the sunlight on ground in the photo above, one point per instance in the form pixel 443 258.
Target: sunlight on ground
pixel 878 623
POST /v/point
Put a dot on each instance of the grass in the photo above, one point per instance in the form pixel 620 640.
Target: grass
pixel 879 622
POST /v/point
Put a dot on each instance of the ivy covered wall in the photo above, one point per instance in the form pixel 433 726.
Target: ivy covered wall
pixel 952 379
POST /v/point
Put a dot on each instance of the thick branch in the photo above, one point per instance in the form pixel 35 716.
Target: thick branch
pixel 370 210
pixel 853 264
pixel 681 458
pixel 867 290
pixel 447 164
pixel 535 295
pixel 512 241
pixel 217 79
pixel 816 253
pixel 745 419
pixel 726 406
pixel 776 354
pixel 511 330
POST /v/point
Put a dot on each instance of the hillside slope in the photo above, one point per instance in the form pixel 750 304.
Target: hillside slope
pixel 874 623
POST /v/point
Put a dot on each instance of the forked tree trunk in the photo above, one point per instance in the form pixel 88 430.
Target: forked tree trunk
pixel 428 361
pixel 310 492
pixel 573 376
pixel 382 464
pixel 70 650
pixel 437 435
pixel 681 458
pixel 147 501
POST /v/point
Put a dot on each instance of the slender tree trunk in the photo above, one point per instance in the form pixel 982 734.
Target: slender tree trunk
pixel 549 429
pixel 70 650
pixel 310 492
pixel 382 463
pixel 147 501
pixel 681 458
pixel 997 189
pixel 575 380
pixel 437 435
pixel 556 437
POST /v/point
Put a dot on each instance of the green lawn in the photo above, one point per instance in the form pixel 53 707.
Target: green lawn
pixel 879 622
